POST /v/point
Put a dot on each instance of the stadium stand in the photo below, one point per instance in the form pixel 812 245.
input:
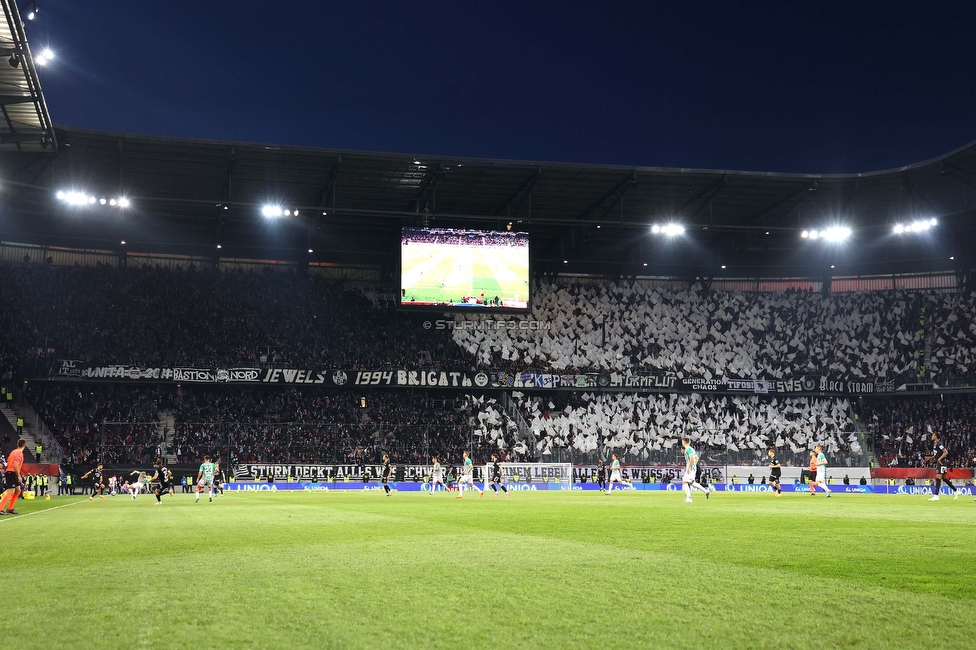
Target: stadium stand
pixel 954 335
pixel 901 429
pixel 160 317
pixel 76 412
pixel 257 424
pixel 647 428
pixel 613 326
pixel 155 317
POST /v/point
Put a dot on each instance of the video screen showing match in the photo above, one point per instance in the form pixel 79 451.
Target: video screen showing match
pixel 464 269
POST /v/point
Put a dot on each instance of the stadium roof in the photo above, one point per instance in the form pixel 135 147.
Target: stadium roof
pixel 190 195
pixel 25 124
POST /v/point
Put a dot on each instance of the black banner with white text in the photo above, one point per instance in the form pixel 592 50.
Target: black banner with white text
pixel 68 370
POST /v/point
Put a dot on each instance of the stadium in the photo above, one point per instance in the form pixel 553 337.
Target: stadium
pixel 263 395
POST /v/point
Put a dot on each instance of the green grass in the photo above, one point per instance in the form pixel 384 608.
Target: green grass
pixel 544 570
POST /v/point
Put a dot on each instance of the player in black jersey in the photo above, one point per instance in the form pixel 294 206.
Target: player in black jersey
pixel 601 476
pixel 701 480
pixel 219 480
pixel 939 454
pixel 162 480
pixel 496 477
pixel 97 483
pixel 775 472
pixel 387 474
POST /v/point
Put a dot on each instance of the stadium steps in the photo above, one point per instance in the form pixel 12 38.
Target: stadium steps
pixel 11 418
pixel 166 430
pixel 524 432
pixel 869 458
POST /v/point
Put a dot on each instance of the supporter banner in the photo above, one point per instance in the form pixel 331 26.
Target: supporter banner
pixel 310 486
pixel 473 379
pixel 635 473
pixel 526 472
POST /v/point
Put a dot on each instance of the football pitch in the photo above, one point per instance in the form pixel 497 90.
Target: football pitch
pixel 447 274
pixel 567 570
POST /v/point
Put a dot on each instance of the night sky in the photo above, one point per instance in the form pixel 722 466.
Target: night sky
pixel 827 88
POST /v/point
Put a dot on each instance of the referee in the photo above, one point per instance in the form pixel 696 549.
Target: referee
pixel 12 479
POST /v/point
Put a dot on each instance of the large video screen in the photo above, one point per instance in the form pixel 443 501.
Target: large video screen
pixel 455 268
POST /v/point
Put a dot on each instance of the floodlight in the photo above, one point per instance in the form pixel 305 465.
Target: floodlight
pixel 836 233
pixel 44 57
pixel 919 225
pixel 123 242
pixel 73 198
pixel 271 211
pixel 102 200
pixel 723 266
pixel 219 246
pixel 310 250
pixel 123 202
pixel 669 229
pixel 91 199
pixel 113 202
pixel 805 234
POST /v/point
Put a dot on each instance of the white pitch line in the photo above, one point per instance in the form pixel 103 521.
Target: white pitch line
pixel 37 512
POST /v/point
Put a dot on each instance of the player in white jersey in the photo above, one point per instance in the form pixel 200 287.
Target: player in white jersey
pixel 615 476
pixel 467 478
pixel 205 478
pixel 821 479
pixel 136 488
pixel 690 478
pixel 436 477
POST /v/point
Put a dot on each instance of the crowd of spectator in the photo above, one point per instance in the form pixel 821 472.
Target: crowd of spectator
pixel 953 319
pixel 902 429
pixel 76 414
pixel 310 427
pixel 648 428
pixel 624 326
pixel 127 424
pixel 204 318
